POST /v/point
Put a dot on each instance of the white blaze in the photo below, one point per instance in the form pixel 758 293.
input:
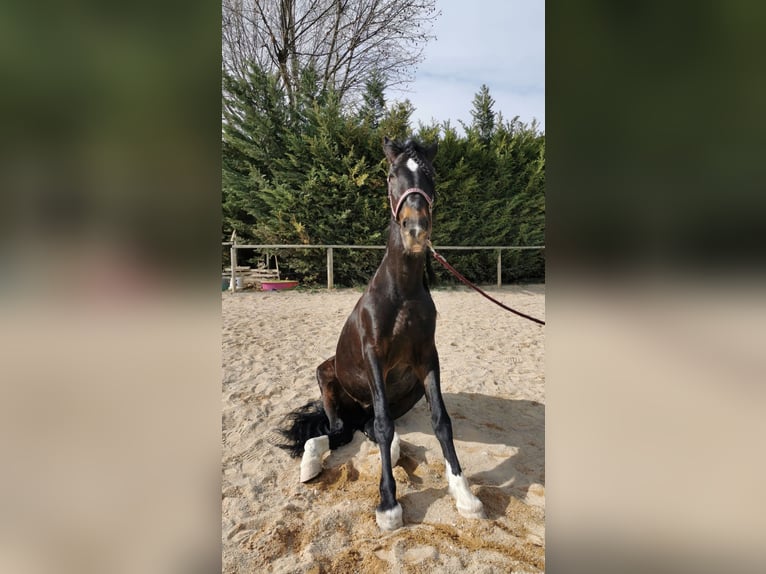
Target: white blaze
pixel 412 164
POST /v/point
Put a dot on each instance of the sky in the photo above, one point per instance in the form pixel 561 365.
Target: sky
pixel 500 43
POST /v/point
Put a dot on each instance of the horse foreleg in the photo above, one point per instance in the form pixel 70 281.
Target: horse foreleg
pixel 369 431
pixel 388 514
pixel 467 503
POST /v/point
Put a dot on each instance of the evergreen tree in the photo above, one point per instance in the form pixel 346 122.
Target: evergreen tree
pixel 483 114
pixel 313 172
pixel 373 101
pixel 253 128
pixel 396 123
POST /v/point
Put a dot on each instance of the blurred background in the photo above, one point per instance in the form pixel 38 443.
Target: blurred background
pixel 110 329
pixel 655 286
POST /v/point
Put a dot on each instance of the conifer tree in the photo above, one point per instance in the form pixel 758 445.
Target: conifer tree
pixel 373 102
pixel 312 172
pixel 483 114
pixel 253 128
pixel 396 122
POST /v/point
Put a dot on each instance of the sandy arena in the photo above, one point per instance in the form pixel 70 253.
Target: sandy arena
pixel 493 382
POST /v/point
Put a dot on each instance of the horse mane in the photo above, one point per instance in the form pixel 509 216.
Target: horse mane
pixel 415 151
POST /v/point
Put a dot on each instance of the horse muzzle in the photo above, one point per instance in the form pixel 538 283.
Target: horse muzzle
pixel 415 238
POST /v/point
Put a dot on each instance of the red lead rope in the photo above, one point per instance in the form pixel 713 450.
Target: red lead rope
pixel 457 274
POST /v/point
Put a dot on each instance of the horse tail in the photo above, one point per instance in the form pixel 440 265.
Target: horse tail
pixel 307 422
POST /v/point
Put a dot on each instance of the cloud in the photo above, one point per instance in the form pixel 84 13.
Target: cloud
pixel 494 42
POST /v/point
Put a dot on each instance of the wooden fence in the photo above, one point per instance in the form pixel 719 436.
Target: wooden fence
pixel 234 247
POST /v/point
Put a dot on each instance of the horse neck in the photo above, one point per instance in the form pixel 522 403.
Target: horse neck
pixel 404 270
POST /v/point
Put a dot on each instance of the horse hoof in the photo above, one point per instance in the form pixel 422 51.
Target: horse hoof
pixel 467 504
pixel 395 450
pixel 390 519
pixel 311 463
pixel 473 509
pixel 310 469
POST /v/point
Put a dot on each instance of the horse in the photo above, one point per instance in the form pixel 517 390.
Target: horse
pixel 386 359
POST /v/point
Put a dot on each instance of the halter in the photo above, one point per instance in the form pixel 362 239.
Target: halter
pixel 410 191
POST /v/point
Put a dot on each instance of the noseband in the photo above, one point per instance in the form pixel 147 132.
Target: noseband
pixel 410 191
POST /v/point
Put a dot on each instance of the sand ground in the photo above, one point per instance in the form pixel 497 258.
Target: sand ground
pixel 493 382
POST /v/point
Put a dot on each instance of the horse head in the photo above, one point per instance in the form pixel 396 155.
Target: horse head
pixel 411 191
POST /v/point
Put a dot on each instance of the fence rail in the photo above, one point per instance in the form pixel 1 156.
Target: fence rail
pixel 330 247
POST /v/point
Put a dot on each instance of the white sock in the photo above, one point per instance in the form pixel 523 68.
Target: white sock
pixel 311 463
pixel 467 504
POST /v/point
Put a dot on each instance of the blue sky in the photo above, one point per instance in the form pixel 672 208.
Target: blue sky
pixel 500 43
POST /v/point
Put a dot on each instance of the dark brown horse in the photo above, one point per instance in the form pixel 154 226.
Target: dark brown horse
pixel 386 358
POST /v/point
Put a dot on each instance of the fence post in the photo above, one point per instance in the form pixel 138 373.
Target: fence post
pixel 329 268
pixel 233 285
pixel 499 267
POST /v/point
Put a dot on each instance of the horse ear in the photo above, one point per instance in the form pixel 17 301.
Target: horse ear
pixel 392 149
pixel 430 151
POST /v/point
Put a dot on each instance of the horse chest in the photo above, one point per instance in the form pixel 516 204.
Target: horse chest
pixel 411 322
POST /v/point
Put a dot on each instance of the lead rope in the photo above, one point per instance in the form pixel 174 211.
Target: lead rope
pixel 457 274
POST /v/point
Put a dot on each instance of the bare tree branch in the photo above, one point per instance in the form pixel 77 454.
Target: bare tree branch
pixel 344 40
